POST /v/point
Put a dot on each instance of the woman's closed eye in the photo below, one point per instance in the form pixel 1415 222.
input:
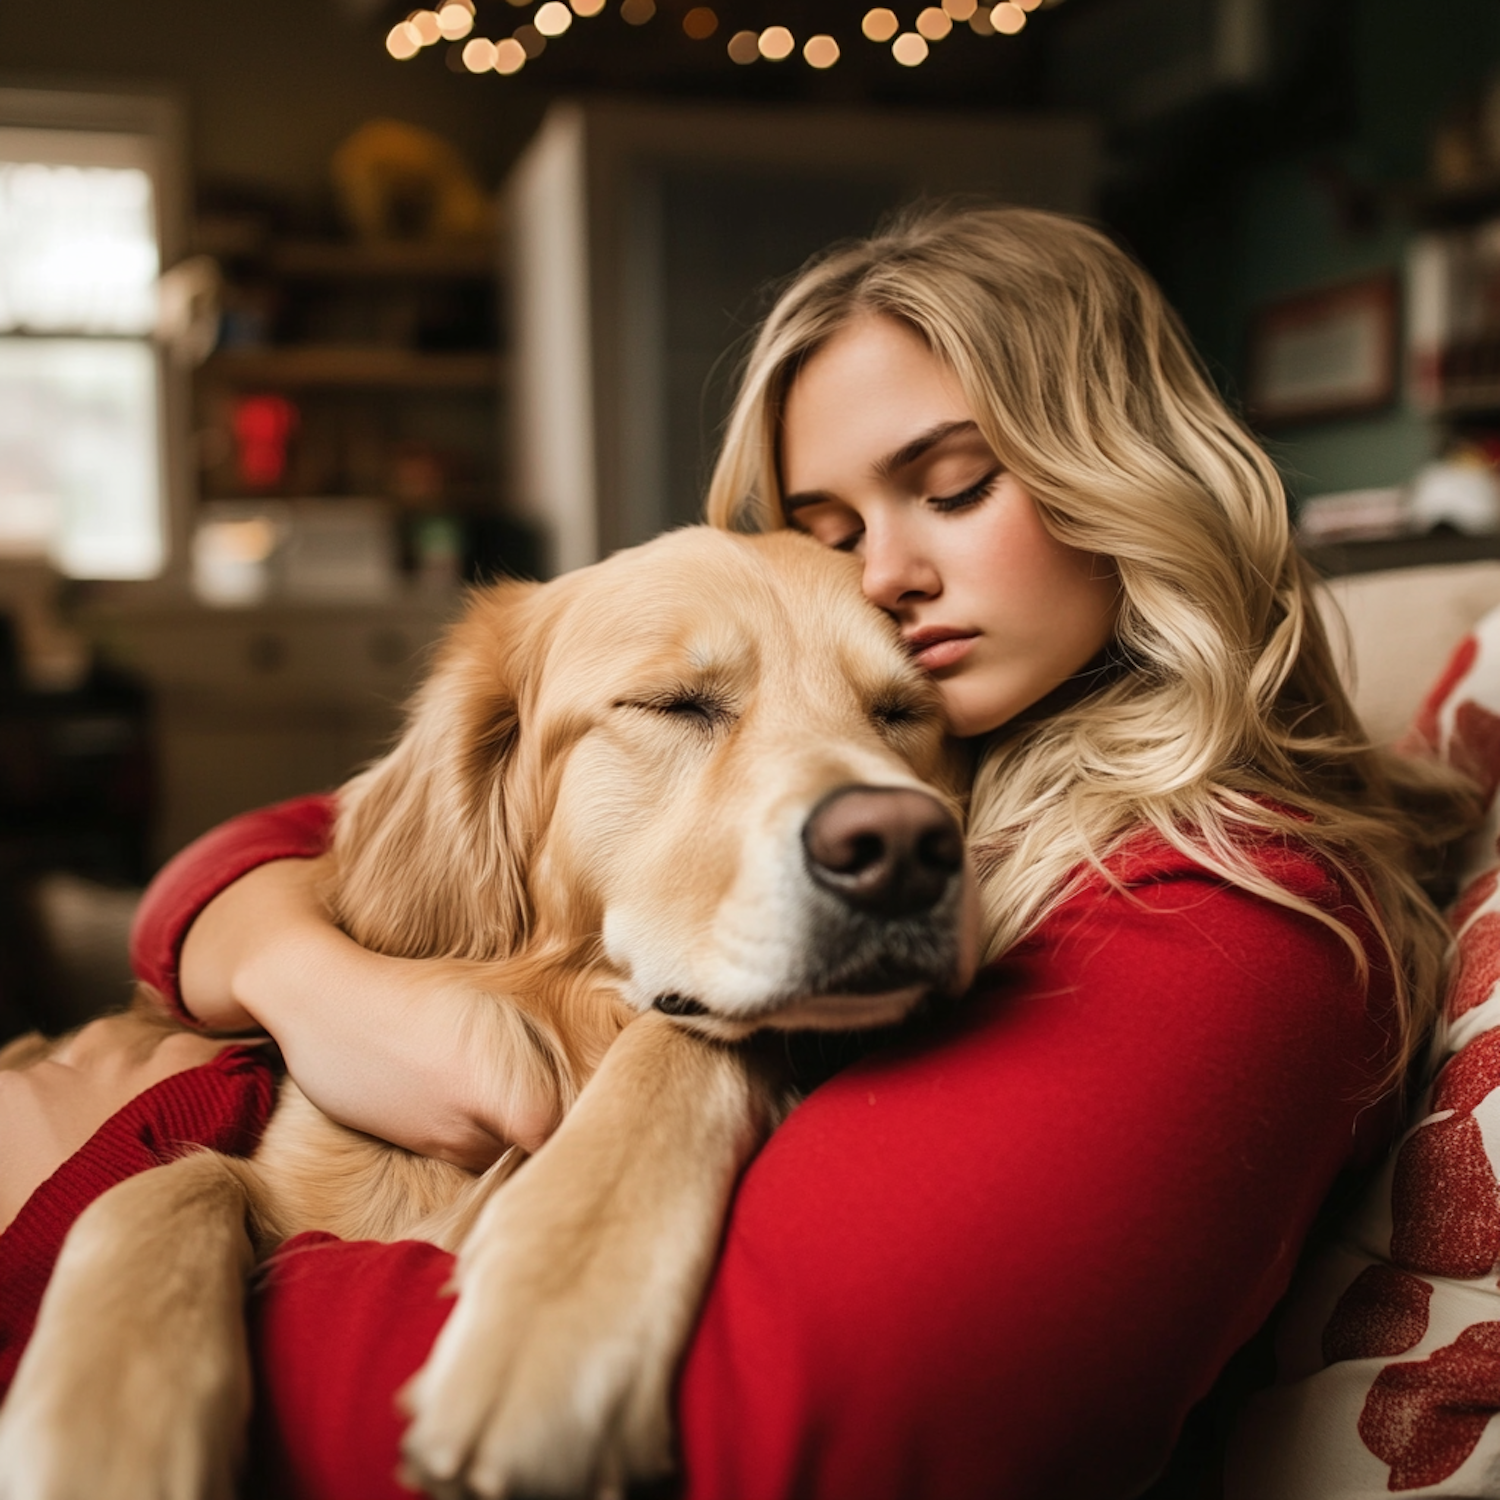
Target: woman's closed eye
pixel 965 498
pixel 945 505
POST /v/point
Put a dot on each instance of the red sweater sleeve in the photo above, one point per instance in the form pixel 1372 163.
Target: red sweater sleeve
pixel 299 829
pixel 1007 1260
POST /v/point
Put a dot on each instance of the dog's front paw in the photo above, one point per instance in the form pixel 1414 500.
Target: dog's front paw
pixel 68 1439
pixel 537 1390
pixel 135 1384
pixel 580 1281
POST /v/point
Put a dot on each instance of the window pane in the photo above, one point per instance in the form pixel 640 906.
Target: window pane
pixel 79 472
pixel 77 249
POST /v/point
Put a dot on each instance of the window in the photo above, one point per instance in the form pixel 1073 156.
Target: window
pixel 82 467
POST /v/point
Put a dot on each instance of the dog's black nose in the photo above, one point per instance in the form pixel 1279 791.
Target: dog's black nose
pixel 891 851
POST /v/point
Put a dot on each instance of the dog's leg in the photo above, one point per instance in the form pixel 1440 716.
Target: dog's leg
pixel 578 1286
pixel 136 1382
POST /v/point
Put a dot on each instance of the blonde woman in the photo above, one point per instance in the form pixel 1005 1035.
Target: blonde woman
pixel 1007 1255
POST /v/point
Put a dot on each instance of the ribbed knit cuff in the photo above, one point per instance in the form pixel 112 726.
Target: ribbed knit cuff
pixel 223 1104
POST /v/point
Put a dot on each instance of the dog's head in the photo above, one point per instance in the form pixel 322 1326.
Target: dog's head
pixel 705 763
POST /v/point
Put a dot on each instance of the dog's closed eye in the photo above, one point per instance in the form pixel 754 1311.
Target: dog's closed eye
pixel 898 713
pixel 700 709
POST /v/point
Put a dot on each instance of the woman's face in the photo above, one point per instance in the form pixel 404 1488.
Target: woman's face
pixel 880 456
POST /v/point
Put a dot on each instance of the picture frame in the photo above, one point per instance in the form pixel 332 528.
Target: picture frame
pixel 1326 353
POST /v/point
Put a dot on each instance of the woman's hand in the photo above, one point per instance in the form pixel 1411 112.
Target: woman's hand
pixel 390 1046
pixel 49 1107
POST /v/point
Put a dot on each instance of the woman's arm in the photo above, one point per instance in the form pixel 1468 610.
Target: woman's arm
pixel 193 877
pixel 234 935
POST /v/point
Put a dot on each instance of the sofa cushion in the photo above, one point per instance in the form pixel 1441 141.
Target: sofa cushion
pixel 1393 631
pixel 1388 1349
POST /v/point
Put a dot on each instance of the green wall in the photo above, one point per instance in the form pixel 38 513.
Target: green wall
pixel 1277 226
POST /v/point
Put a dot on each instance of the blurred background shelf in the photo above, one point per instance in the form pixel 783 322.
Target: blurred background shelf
pixel 395 261
pixel 1333 559
pixel 354 367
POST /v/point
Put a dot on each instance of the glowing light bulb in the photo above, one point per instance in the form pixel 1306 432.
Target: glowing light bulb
pixel 820 52
pixel 744 47
pixel 1007 18
pixel 880 25
pixel 586 8
pixel 455 21
pixel 909 49
pixel 934 23
pixel 553 18
pixel 700 23
pixel 776 43
pixel 637 12
pixel 479 54
pixel 960 10
pixel 426 24
pixel 402 41
pixel 510 56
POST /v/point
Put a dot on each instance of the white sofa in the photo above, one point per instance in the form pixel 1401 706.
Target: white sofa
pixel 1402 626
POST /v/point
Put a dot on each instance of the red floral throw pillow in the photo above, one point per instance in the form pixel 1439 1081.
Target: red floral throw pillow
pixel 1388 1351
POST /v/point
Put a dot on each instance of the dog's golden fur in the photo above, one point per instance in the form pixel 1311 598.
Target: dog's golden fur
pixel 600 800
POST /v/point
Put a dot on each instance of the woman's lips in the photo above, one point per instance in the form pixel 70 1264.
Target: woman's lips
pixel 932 650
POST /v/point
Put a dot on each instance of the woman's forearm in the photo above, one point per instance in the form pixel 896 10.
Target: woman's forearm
pixel 393 1047
pixel 184 887
pixel 249 945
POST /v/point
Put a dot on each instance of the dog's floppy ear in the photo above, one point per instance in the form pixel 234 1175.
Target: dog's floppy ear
pixel 426 858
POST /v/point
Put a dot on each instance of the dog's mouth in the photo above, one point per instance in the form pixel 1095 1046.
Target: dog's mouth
pixel 679 1005
pixel 873 988
pixel 823 1012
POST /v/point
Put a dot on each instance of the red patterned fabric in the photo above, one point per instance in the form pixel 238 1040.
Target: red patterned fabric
pixel 1425 1417
pixel 1426 730
pixel 1383 1312
pixel 1404 1309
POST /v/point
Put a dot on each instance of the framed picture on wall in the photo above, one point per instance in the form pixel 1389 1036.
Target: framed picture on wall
pixel 1330 352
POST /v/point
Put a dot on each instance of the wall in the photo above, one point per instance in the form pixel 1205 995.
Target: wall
pixel 1313 214
pixel 271 86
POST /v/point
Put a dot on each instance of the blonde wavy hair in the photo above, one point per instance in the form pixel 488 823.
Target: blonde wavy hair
pixel 1223 722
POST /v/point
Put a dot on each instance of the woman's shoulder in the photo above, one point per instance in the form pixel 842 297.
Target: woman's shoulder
pixel 1287 857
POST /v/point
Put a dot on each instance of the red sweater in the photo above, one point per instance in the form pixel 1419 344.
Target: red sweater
pixel 1000 1258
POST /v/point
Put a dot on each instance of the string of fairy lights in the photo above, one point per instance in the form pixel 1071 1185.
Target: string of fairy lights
pixel 453 22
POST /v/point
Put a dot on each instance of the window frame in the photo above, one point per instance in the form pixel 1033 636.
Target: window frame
pixel 159 117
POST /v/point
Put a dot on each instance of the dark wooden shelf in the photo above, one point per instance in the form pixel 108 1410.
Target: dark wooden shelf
pixel 354 367
pixel 1334 559
pixel 1456 208
pixel 1472 404
pixel 332 260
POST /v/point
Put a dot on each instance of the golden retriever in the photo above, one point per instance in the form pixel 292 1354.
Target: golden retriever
pixel 641 812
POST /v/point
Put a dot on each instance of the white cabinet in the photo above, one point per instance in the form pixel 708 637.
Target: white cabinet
pixel 257 705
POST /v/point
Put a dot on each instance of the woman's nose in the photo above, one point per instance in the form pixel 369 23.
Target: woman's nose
pixel 895 572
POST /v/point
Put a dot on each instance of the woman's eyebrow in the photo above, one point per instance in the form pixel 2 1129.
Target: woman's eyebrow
pixel 907 453
pixel 922 444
